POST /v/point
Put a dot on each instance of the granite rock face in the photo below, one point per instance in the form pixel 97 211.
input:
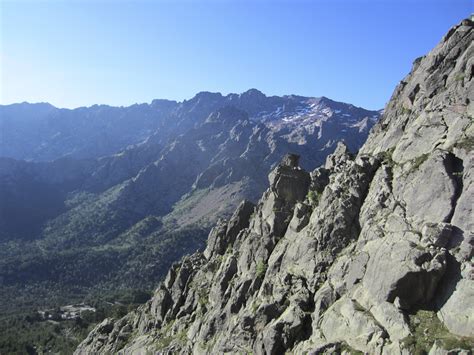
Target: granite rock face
pixel 356 255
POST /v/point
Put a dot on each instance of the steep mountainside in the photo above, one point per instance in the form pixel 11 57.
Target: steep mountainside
pixel 211 142
pixel 370 253
pixel 74 227
pixel 188 182
pixel 222 155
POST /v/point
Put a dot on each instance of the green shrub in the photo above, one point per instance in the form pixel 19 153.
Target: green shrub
pixel 466 144
pixel 261 269
pixel 459 77
pixel 416 163
pixel 406 111
pixel 426 328
pixel 348 349
pixel 313 197
pixel 386 156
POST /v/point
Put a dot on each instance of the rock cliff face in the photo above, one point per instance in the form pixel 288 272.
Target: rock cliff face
pixel 370 253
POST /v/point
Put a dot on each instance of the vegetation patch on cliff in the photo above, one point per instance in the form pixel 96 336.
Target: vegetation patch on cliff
pixel 426 329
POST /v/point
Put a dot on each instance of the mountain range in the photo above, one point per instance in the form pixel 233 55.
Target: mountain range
pixel 42 132
pixel 369 253
pixel 106 198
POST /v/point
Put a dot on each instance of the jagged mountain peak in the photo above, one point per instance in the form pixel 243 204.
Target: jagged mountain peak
pixel 207 95
pixel 253 93
pixel 101 130
pixel 160 103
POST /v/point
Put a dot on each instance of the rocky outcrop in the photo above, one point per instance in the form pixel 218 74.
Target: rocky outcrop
pixel 371 253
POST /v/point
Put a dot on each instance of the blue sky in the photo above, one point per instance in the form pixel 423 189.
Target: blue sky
pixel 78 53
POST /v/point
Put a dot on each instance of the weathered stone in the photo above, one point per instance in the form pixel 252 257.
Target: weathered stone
pixel 397 268
pixel 337 159
pixel 458 312
pixel 216 240
pixel 239 221
pixel 346 321
pixel 223 235
pixel 429 191
pixel 323 299
pixel 436 234
pixel 319 179
pixel 291 160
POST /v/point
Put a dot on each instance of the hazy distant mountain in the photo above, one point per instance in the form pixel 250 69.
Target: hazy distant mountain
pixel 42 132
pixel 223 144
pixel 113 195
